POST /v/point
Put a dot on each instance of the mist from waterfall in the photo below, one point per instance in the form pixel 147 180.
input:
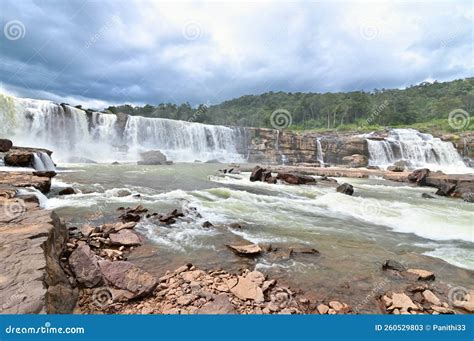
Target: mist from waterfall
pixel 418 149
pixel 76 136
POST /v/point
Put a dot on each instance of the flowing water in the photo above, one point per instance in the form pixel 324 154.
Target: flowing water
pixel 418 149
pixel 355 234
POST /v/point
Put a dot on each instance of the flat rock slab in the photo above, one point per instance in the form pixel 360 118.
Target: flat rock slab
pixel 25 179
pixel 84 264
pixel 250 249
pixel 31 278
pixel 125 237
pixel 127 276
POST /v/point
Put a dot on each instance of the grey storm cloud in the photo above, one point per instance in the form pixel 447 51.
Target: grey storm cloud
pixel 108 52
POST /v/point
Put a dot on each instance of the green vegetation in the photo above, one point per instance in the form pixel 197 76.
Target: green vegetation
pixel 425 107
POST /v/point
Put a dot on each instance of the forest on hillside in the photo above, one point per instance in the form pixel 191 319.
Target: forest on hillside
pixel 421 106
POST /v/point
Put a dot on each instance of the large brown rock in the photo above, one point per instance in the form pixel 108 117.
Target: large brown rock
pixel 125 237
pixel 248 250
pixel 246 289
pixel 345 189
pixel 127 276
pixel 25 179
pixel 32 280
pixel 5 145
pixel 256 174
pixel 19 158
pixel 152 157
pixel 419 176
pixel 219 306
pixel 84 264
pixel 356 160
pixel 295 179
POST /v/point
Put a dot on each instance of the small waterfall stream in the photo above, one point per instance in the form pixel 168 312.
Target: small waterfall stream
pixel 418 149
pixel 319 155
pixel 42 162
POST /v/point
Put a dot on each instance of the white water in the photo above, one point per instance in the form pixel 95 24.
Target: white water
pixel 420 150
pixel 70 133
pixel 42 162
pixel 319 157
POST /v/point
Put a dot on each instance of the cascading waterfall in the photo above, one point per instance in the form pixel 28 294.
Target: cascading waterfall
pixel 319 155
pixel 74 134
pixel 43 162
pixel 418 149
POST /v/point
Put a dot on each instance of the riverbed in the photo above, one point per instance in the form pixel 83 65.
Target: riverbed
pixel 354 234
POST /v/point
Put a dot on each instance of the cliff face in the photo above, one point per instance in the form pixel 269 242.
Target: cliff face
pixel 273 146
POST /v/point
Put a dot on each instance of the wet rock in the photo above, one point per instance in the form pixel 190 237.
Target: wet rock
pixel 323 309
pixel 152 157
pixel 304 250
pixel 295 179
pixel 445 189
pixel 46 174
pixel 127 276
pixel 5 145
pixel 220 305
pixel 235 226
pixel 84 264
pixel 87 230
pixel 256 174
pixel 130 217
pixel 207 224
pixel 423 275
pixel 67 191
pixel 345 189
pixel 19 158
pixel 393 265
pixel 395 169
pixel 247 250
pixel 125 237
pixel 327 179
pixel 427 196
pixel 419 176
pixel 123 193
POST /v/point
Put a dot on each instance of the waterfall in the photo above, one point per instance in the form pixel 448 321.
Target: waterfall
pixel 42 162
pixel 319 155
pixel 72 133
pixel 418 149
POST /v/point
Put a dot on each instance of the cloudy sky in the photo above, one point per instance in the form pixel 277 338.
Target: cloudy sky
pixel 97 53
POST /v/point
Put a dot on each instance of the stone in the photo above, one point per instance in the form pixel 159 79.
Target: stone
pixel 246 289
pixel 345 189
pixel 125 237
pixel 423 275
pixel 248 250
pixel 207 224
pixel 323 309
pixel 19 158
pixel 186 299
pixel 5 145
pixel 127 276
pixel 295 178
pixel 84 264
pixel 152 157
pixel 393 265
pixel 356 160
pixel 445 189
pixel 67 191
pixel 256 277
pixel 336 305
pixel 46 174
pixel 419 176
pixel 402 301
pixel 86 230
pixel 25 179
pixel 427 196
pixel 431 298
pixel 256 174
pixel 123 193
pixel 442 310
pixel 219 306
pixel 268 284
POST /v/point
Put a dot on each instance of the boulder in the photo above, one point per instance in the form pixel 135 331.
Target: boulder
pixel 247 250
pixel 5 145
pixel 445 189
pixel 427 196
pixel 19 158
pixel 345 189
pixel 152 157
pixel 125 237
pixel 207 224
pixel 295 179
pixel 431 298
pixel 123 193
pixel 395 168
pixel 356 160
pixel 84 264
pixel 402 301
pixel 127 276
pixel 391 264
pixel 419 176
pixel 256 174
pixel 67 191
pixel 46 174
